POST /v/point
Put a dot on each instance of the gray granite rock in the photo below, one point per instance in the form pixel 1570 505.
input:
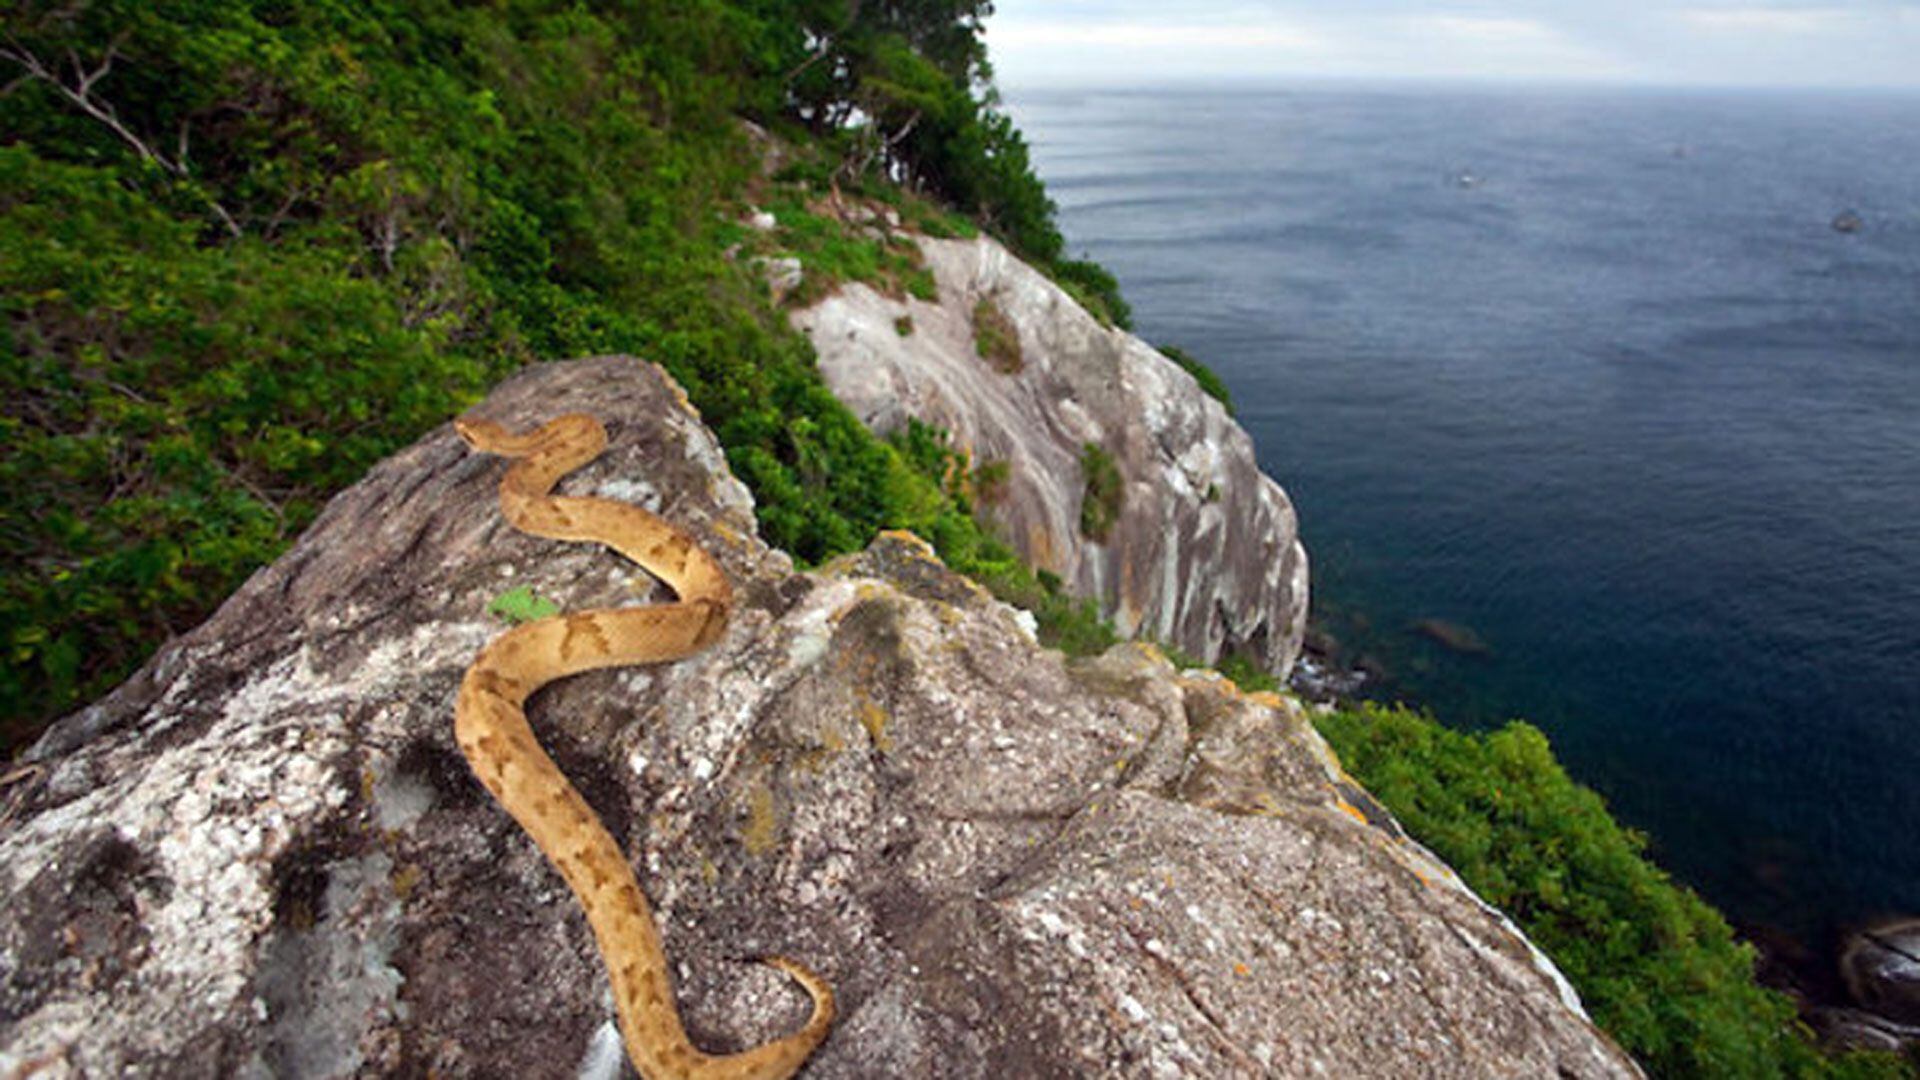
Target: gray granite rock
pixel 264 855
pixel 1206 553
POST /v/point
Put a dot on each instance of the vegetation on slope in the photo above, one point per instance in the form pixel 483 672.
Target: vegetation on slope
pixel 248 248
pixel 1657 967
pixel 1209 381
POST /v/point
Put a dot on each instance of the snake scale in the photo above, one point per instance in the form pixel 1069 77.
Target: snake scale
pixel 490 724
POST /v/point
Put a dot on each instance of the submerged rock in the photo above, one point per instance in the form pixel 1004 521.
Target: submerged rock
pixel 263 855
pixel 1453 636
pixel 1204 552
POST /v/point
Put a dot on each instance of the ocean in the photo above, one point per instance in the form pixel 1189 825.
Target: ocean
pixel 1594 374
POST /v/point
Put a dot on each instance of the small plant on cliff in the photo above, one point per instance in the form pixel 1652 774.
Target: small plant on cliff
pixel 1202 374
pixel 521 605
pixel 990 481
pixel 1246 673
pixel 835 251
pixel 1105 490
pixel 995 338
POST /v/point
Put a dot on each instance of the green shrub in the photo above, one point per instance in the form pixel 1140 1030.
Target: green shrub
pixel 1657 967
pixel 1094 288
pixel 1247 674
pixel 833 252
pixel 1101 501
pixel 995 338
pixel 1209 381
pixel 411 203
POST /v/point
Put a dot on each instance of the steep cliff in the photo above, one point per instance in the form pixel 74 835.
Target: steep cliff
pixel 264 855
pixel 1203 550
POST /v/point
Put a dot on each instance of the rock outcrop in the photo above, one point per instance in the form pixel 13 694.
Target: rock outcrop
pixel 1881 969
pixel 1205 553
pixel 263 855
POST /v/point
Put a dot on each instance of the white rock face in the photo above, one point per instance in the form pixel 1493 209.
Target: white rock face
pixel 1206 552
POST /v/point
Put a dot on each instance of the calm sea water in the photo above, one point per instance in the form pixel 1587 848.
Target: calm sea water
pixel 1591 373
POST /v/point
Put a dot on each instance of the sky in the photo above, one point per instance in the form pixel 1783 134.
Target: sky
pixel 1836 43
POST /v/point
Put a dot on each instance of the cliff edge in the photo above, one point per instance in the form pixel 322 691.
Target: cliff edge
pixel 1203 550
pixel 263 855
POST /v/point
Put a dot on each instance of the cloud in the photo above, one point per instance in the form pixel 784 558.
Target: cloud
pixel 1490 30
pixel 1150 35
pixel 1700 42
pixel 1766 20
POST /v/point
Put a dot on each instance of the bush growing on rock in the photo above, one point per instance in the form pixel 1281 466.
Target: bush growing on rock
pixel 995 338
pixel 379 213
pixel 1658 968
pixel 1100 504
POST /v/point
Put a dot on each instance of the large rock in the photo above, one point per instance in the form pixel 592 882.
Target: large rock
pixel 1881 967
pixel 263 855
pixel 1206 552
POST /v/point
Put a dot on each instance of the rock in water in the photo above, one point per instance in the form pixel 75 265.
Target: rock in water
pixel 263 855
pixel 1846 221
pixel 1881 967
pixel 1205 553
pixel 1454 636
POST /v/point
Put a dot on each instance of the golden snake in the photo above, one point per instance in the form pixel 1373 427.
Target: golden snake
pixel 490 723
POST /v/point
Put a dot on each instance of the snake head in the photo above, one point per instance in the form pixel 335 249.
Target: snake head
pixel 482 435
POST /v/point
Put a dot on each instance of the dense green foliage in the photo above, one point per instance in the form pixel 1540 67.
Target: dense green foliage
pixel 915 75
pixel 1658 968
pixel 1101 500
pixel 247 248
pixel 1208 379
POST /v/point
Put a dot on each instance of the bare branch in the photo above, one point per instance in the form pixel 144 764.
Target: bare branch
pixel 81 96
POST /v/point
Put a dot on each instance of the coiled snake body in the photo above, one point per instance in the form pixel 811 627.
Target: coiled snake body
pixel 490 724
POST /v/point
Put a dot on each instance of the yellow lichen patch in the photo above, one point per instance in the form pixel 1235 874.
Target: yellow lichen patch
pixel 1242 970
pixel 762 830
pixel 874 719
pixel 1151 650
pixel 1268 698
pixel 405 879
pixel 920 547
pixel 839 564
pixel 831 739
pixel 1351 811
pixel 709 873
